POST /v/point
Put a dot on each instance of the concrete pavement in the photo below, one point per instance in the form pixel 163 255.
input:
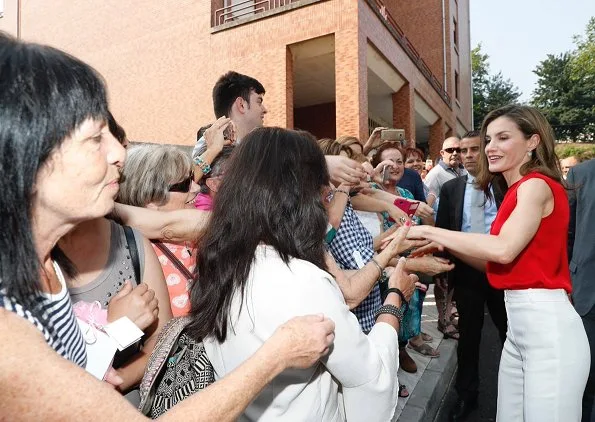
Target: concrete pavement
pixel 427 387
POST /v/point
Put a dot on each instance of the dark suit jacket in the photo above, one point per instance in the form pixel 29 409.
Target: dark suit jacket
pixel 450 216
pixel 581 235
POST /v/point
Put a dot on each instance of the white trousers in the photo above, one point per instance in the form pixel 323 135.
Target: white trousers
pixel 545 361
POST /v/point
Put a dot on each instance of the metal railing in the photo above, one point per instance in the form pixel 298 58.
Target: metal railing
pixel 404 42
pixel 246 8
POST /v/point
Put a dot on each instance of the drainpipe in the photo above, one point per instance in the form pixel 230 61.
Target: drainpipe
pixel 18 19
pixel 444 43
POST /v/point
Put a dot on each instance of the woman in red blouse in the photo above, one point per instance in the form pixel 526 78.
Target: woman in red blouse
pixel 546 358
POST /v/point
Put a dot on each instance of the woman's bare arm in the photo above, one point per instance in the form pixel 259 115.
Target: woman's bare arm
pixel 534 202
pixel 51 388
pixel 186 225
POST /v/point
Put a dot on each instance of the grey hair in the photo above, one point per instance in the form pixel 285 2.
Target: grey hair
pixel 149 171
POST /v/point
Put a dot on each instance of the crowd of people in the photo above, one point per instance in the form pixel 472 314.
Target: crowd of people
pixel 295 267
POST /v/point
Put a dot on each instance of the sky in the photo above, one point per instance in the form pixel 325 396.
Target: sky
pixel 518 34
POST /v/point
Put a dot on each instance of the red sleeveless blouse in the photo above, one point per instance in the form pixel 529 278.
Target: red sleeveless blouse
pixel 543 264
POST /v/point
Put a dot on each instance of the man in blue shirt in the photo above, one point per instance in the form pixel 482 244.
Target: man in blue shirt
pixel 463 207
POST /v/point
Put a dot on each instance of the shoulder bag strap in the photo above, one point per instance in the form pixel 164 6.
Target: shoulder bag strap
pixel 132 247
pixel 174 259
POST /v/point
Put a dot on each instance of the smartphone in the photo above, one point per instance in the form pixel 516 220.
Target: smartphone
pixel 392 135
pixel 385 174
pixel 406 206
pixel 429 163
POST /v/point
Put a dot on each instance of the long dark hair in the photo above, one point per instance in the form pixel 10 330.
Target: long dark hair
pixel 530 122
pixel 45 94
pixel 271 193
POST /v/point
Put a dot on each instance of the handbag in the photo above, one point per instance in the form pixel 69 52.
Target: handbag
pixel 177 368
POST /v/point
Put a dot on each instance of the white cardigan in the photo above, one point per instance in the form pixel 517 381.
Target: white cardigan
pixel 357 381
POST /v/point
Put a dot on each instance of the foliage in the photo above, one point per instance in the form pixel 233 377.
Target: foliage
pixel 582 151
pixel 489 91
pixel 565 89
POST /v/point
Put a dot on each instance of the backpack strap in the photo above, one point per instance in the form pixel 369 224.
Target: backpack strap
pixel 132 247
pixel 174 260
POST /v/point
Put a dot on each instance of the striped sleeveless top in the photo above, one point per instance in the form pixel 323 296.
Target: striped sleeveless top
pixel 65 336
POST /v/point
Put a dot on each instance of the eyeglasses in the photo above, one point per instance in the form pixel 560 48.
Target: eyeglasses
pixel 451 150
pixel 183 186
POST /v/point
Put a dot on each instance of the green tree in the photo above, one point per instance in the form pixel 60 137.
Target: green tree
pixel 565 89
pixel 489 91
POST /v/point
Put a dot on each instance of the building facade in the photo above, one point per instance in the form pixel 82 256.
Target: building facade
pixel 333 67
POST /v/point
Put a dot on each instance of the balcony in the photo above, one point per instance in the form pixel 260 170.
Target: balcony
pixel 230 13
pixel 398 34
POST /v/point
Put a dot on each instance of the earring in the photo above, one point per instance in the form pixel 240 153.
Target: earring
pixel 530 154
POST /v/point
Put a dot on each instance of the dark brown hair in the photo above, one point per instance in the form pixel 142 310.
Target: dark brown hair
pixel 413 151
pixel 383 147
pixel 531 122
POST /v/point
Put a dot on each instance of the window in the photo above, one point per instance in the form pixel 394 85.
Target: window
pixel 455 32
pixel 456 85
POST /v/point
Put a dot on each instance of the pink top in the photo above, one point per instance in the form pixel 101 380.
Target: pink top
pixel 203 202
pixel 177 285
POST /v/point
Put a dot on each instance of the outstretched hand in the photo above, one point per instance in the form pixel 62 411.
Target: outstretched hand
pixel 428 249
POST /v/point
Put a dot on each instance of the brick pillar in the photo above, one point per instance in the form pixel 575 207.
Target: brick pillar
pixel 351 79
pixel 436 138
pixel 288 89
pixel 403 112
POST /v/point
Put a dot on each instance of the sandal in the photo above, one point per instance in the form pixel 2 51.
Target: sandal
pixel 424 350
pixel 448 331
pixel 403 392
pixel 426 337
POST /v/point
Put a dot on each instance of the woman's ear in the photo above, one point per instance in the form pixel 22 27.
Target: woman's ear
pixel 534 141
pixel 152 206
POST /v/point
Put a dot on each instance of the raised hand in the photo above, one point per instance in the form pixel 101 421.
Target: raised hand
pixel 374 139
pixel 221 133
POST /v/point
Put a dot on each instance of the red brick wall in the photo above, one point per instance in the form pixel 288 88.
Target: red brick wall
pixel 422 23
pixel 403 111
pixel 161 59
pixel 318 119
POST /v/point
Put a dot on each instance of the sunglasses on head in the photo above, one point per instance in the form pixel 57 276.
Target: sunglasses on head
pixel 451 150
pixel 183 186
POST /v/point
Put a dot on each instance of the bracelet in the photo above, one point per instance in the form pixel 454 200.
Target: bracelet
pixel 204 166
pixel 399 292
pixel 399 313
pixel 377 266
pixel 342 191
